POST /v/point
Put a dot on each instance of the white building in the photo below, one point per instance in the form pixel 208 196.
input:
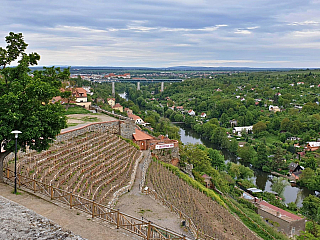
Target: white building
pixel 239 130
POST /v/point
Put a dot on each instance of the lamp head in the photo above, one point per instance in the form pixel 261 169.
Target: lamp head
pixel 16 132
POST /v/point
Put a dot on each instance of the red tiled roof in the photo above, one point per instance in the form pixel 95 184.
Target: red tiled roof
pixel 111 99
pixel 273 210
pixel 117 105
pixel 139 135
pixel 134 117
pixel 206 176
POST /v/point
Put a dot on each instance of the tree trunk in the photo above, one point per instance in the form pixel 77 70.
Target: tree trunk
pixel 2 157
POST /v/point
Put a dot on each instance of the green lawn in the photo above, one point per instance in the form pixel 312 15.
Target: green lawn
pixel 76 110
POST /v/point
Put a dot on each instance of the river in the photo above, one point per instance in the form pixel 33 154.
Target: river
pixel 123 95
pixel 261 179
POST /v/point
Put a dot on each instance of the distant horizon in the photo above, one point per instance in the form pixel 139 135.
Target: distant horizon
pixel 163 33
pixel 177 67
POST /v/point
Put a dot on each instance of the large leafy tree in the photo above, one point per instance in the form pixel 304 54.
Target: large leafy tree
pixel 25 100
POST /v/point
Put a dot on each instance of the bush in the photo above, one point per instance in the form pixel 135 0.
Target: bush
pixel 247 204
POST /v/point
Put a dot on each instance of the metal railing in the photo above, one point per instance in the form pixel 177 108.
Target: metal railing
pixel 139 227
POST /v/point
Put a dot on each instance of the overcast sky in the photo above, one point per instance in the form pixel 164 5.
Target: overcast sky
pixel 163 33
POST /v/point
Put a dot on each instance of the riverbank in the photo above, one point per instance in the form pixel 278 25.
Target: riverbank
pixel 262 180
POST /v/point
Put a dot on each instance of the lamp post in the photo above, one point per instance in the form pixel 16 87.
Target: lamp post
pixel 15 132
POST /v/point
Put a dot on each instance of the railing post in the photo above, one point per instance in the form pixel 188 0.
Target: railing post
pixel 118 219
pixel 34 185
pixel 70 200
pixel 51 191
pixel 149 231
pixel 93 208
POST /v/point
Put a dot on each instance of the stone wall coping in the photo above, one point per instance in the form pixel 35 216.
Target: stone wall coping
pixel 89 124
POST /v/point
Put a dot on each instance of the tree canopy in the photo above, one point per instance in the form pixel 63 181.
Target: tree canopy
pixel 25 99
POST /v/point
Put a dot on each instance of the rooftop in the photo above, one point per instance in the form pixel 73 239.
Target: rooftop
pixel 280 213
pixel 139 135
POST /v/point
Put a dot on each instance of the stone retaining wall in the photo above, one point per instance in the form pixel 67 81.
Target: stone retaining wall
pixel 125 189
pixel 111 127
pixel 144 170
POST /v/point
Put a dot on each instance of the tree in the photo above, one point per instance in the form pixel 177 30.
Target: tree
pixel 25 100
pixel 246 153
pixel 279 184
pixel 259 127
pixel 285 124
pixel 233 146
pixel 239 171
pixel 217 159
pixel 262 159
pixel 311 209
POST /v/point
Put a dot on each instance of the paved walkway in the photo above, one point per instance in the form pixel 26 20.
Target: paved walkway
pixel 140 205
pixel 80 120
pixel 71 219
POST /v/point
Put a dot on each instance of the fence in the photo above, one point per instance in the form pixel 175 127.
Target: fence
pixel 142 228
pixel 189 223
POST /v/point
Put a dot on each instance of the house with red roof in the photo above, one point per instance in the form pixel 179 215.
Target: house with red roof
pixel 111 101
pixel 207 180
pixel 191 112
pixel 203 115
pixel 117 106
pixel 284 221
pixel 128 111
pixel 141 138
pixel 137 119
pixel 80 96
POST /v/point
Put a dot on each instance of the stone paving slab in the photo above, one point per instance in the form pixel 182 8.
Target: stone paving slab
pixel 78 222
pixel 18 222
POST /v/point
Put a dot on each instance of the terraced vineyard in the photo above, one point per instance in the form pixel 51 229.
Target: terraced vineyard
pixel 94 165
pixel 208 216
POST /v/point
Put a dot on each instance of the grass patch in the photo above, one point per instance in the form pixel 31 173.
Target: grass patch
pixel 90 119
pixel 72 124
pixel 143 211
pixel 76 110
pixel 17 193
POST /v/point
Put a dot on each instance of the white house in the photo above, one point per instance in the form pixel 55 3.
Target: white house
pixel 136 118
pixel 239 130
pixel 203 115
pixel 191 112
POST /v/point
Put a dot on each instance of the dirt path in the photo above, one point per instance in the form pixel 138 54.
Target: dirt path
pixel 140 205
pixel 76 221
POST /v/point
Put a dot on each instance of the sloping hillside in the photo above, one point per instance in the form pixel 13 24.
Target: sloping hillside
pixel 93 165
pixel 208 216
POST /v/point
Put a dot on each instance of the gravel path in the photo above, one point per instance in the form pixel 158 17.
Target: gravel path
pixel 140 205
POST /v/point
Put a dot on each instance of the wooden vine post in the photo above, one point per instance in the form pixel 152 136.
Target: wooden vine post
pixel 93 206
pixel 149 231
pixel 118 219
pixel 70 200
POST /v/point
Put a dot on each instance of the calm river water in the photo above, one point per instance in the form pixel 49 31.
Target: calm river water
pixel 261 179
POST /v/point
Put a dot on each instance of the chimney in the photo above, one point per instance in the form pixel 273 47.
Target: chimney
pixel 278 214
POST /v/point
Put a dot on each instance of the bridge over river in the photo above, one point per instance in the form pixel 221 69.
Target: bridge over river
pixel 137 81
